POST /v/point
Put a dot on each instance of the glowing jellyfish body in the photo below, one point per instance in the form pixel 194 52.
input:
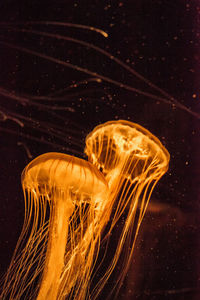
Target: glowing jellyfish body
pixel 59 251
pixel 132 160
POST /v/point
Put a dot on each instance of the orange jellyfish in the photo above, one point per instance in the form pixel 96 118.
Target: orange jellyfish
pixel 64 201
pixel 132 160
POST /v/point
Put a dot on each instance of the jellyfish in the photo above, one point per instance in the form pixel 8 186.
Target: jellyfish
pixel 132 161
pixel 64 201
pixel 45 128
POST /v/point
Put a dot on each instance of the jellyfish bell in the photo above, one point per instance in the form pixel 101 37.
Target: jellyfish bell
pixel 125 139
pixel 57 171
pixel 125 149
pixel 132 160
pixel 62 248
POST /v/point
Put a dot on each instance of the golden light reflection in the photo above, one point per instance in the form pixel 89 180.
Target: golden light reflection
pixel 64 200
pixel 132 160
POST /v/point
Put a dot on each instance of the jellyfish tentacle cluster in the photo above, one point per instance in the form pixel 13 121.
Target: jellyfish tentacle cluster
pixel 69 203
pixel 74 190
pixel 132 161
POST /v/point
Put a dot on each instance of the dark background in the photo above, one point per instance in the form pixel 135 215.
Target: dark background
pixel 158 39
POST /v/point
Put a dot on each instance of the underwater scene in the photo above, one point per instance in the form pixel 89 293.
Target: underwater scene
pixel 99 156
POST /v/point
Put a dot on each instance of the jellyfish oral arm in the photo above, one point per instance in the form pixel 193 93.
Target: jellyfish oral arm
pixel 55 250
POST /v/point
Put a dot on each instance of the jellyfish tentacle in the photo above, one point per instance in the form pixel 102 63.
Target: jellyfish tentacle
pixel 137 162
pixel 59 255
pixel 44 141
pixel 94 74
pixel 25 101
pixel 55 252
pixel 167 97
pixel 56 23
pixel 105 53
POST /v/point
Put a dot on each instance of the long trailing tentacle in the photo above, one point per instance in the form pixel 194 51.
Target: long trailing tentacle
pixel 167 97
